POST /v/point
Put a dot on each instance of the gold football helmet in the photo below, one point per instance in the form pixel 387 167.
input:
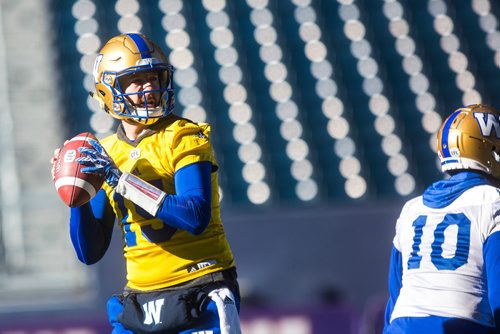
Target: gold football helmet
pixel 128 54
pixel 470 139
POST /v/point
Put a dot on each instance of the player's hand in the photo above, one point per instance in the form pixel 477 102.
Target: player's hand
pixel 97 161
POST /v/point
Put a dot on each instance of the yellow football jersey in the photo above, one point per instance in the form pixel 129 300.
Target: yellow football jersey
pixel 156 254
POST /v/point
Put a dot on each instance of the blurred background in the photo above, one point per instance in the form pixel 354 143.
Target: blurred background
pixel 324 115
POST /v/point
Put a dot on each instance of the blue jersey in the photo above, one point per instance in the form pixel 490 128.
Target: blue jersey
pixel 445 266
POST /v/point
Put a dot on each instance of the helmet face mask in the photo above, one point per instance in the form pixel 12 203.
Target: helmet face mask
pixel 469 139
pixel 139 109
pixel 126 55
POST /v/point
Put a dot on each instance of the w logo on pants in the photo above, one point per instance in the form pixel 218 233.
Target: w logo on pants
pixel 152 311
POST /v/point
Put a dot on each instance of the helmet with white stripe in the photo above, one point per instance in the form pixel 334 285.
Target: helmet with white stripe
pixel 470 139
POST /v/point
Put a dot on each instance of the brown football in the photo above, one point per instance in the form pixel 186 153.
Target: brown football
pixel 74 187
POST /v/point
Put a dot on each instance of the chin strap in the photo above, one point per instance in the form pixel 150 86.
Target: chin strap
pixel 140 192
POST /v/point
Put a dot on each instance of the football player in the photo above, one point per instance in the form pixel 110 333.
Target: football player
pixel 444 275
pixel 161 188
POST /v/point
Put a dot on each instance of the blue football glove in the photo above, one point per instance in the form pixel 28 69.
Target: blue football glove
pixel 99 162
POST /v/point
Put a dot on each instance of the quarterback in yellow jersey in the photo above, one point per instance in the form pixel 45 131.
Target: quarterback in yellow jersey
pixel 161 187
pixel 158 254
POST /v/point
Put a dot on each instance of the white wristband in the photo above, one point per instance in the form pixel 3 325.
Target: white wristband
pixel 140 192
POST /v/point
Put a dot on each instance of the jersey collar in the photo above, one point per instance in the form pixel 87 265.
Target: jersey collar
pixel 442 193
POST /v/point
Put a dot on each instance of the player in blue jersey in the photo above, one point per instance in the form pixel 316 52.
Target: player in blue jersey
pixel 161 188
pixel 444 275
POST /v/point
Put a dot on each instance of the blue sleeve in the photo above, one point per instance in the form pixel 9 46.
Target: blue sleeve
pixel 395 277
pixel 491 254
pixel 91 228
pixel 190 209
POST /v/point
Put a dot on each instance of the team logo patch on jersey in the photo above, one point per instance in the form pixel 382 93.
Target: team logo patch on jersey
pixel 135 153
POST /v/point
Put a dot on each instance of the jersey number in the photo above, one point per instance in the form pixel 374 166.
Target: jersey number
pixel 151 234
pixel 440 262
